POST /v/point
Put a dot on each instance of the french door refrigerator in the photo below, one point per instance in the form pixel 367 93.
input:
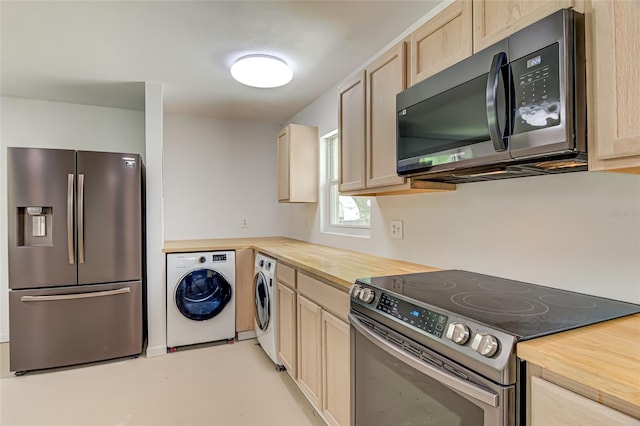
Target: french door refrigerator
pixel 75 257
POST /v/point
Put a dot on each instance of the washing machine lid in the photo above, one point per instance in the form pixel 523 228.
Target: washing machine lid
pixel 262 301
pixel 202 294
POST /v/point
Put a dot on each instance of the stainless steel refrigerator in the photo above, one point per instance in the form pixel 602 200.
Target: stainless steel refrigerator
pixel 75 256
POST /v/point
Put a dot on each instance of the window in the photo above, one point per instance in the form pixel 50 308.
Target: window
pixel 342 214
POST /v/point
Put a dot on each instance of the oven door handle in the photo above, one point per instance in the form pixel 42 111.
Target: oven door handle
pixel 464 387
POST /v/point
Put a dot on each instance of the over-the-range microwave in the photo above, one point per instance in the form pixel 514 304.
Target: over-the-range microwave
pixel 517 108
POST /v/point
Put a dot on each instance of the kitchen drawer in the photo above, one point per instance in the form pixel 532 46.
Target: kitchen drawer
pixel 286 275
pixel 330 298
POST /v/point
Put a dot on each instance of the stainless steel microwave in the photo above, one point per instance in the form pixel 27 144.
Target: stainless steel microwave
pixel 517 108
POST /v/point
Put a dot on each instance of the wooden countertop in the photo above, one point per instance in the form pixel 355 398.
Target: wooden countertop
pixel 337 266
pixel 604 356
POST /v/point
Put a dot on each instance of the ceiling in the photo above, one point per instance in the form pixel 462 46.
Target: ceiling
pixel 99 52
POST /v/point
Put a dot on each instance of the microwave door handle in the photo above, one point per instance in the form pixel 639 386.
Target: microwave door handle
pixel 499 143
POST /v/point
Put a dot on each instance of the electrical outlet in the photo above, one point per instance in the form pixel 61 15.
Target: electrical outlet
pixel 244 222
pixel 396 230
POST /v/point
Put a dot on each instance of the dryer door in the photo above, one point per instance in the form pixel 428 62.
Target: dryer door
pixel 263 301
pixel 202 294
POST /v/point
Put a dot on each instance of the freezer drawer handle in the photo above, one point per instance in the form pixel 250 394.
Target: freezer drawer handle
pixel 70 246
pixel 76 295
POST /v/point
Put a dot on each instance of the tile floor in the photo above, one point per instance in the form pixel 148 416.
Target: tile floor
pixel 214 385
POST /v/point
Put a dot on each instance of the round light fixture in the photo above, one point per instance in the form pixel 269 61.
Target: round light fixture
pixel 261 71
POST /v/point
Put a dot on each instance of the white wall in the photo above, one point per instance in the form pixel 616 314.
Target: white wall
pixel 579 231
pixel 29 123
pixel 217 172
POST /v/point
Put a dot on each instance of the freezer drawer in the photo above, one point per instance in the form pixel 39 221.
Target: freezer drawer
pixel 73 325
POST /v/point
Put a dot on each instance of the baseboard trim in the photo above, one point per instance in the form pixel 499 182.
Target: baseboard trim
pixel 246 335
pixel 156 351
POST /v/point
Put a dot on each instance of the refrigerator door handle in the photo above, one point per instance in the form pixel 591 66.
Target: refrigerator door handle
pixel 81 218
pixel 70 247
pixel 76 295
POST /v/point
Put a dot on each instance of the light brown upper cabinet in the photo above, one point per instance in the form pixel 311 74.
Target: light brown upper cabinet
pixel 351 129
pixel 442 41
pixel 386 77
pixel 367 124
pixel 298 164
pixel 614 110
pixel 367 129
pixel 494 20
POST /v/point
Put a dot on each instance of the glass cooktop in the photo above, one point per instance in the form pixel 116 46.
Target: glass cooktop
pixel 515 307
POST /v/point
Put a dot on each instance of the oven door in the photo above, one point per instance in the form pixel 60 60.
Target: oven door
pixel 396 381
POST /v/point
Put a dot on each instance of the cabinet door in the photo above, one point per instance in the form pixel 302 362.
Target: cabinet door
pixel 309 354
pixel 553 405
pixel 386 77
pixel 442 41
pixel 244 290
pixel 615 108
pixel 351 131
pixel 287 328
pixel 495 20
pixel 283 164
pixel 335 370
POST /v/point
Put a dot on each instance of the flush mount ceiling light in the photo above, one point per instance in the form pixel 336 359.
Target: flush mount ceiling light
pixel 261 71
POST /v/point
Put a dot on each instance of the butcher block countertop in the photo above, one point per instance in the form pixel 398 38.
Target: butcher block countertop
pixel 337 266
pixel 604 356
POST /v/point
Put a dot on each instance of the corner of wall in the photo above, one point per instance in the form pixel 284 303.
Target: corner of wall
pixel 156 299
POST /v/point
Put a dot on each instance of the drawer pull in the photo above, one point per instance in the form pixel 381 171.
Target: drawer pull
pixel 75 296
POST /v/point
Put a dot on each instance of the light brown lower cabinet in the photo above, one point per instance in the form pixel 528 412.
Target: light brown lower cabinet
pixel 244 290
pixel 309 350
pixel 313 342
pixel 335 370
pixel 287 329
pixel 553 405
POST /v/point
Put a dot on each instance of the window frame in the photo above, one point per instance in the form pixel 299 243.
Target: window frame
pixel 327 184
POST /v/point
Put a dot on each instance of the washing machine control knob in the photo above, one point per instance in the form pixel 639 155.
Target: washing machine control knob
pixel 202 259
pixel 261 263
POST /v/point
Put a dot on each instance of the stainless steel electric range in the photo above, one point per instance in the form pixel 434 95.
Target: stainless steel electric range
pixel 439 348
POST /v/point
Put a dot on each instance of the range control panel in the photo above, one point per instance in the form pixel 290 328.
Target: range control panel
pixel 424 319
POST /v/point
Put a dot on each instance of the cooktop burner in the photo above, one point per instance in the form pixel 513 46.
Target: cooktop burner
pixel 518 308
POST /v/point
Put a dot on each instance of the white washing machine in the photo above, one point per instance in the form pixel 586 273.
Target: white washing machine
pixel 201 303
pixel 266 296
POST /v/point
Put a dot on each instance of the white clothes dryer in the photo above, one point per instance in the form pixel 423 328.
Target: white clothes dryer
pixel 201 305
pixel 265 318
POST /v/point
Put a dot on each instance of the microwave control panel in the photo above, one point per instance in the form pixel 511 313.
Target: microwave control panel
pixel 536 82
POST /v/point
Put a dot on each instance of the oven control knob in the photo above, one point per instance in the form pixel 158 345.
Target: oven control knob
pixel 458 333
pixel 485 344
pixel 355 290
pixel 367 295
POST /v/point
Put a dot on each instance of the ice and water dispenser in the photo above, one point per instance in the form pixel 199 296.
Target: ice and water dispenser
pixel 34 226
